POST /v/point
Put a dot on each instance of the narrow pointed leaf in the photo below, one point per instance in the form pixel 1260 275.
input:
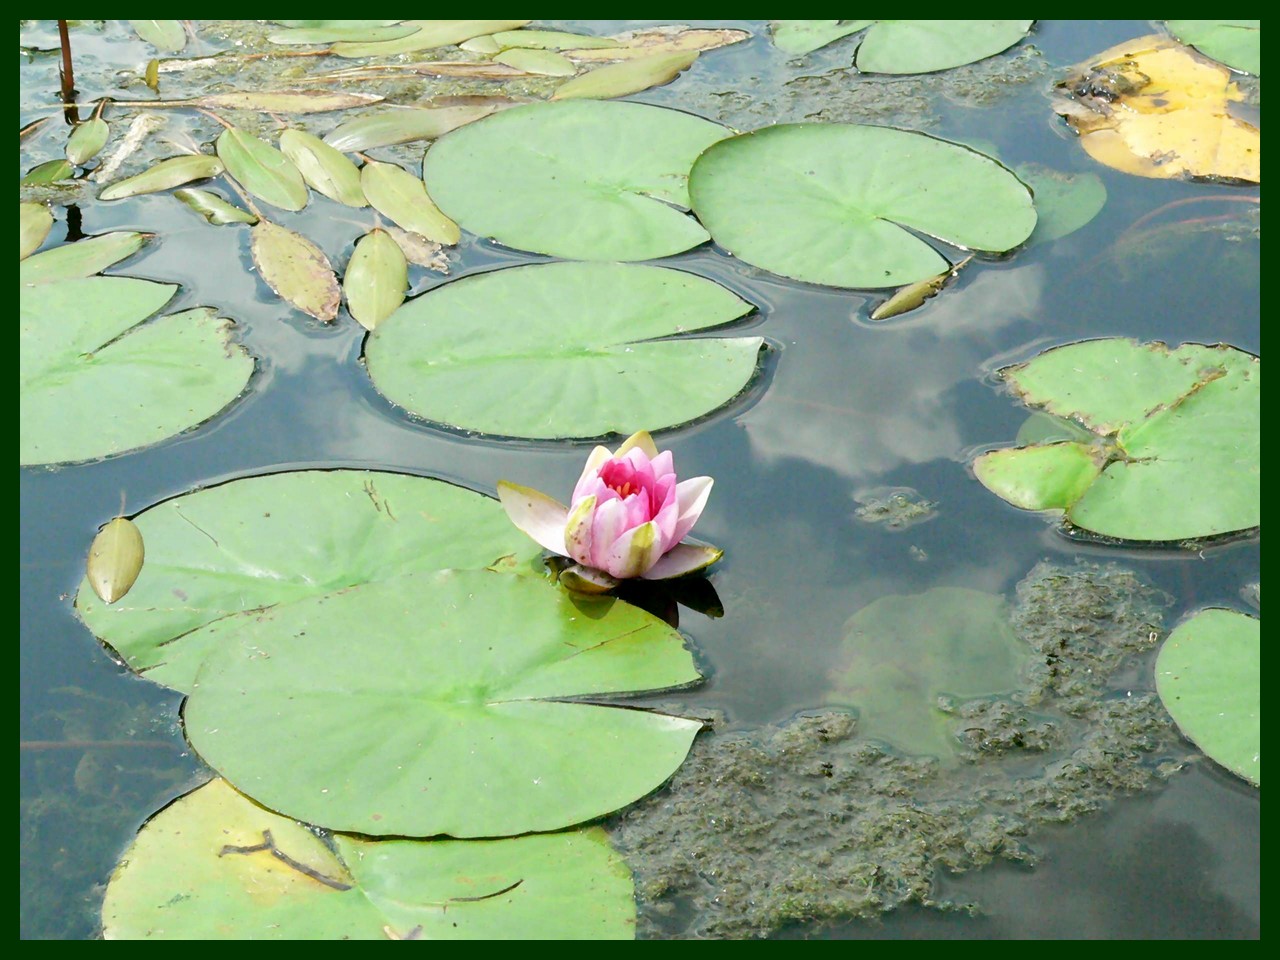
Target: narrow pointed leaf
pixel 327 170
pixel 402 126
pixel 335 34
pixel 213 207
pixel 654 40
pixel 418 249
pixel 51 171
pixel 431 34
pixel 626 77
pixel 86 140
pixel 83 258
pixel 551 40
pixel 546 63
pixel 167 36
pixel 805 36
pixel 399 195
pixel 115 559
pixel 164 175
pixel 296 269
pixel 287 101
pixel 34 223
pixel 376 279
pixel 262 169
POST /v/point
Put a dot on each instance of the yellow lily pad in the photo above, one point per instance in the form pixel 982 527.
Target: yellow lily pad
pixel 1156 108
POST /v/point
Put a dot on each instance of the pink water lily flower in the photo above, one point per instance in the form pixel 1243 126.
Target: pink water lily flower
pixel 627 518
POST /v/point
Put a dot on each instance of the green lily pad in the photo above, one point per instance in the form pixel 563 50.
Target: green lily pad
pixel 582 180
pixel 1209 676
pixel 215 866
pixel 1065 202
pixel 904 652
pixel 1176 433
pixel 1237 43
pixel 95 383
pixel 837 204
pixel 441 703
pixel 563 350
pixel 224 553
pixel 167 36
pixel 906 46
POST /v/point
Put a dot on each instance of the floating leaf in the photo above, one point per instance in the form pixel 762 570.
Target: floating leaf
pixel 164 175
pixel 376 279
pixel 286 101
pixel 1065 202
pixel 1209 676
pixel 51 171
pixel 86 140
pixel 332 34
pixel 296 269
pixel 836 203
pixel 654 40
pixel 1153 108
pixel 167 36
pixel 450 715
pixel 213 207
pixel 336 24
pixel 262 169
pixel 98 382
pixel 904 652
pixel 805 36
pixel 1237 43
pixel 418 249
pixel 115 559
pixel 316 531
pixel 484 45
pixel 550 40
pixel 324 168
pixel 432 33
pixel 402 126
pixel 216 866
pixel 83 258
pixel 546 63
pixel 627 77
pixel 34 224
pixel 563 350
pixel 1176 435
pixel 914 295
pixel 580 180
pixel 399 195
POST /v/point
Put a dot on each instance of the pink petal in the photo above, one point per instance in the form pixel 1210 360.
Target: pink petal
pixel 598 458
pixel 637 509
pixel 691 495
pixel 681 559
pixel 535 513
pixel 666 520
pixel 663 465
pixel 577 530
pixel 635 552
pixel 638 440
pixel 663 494
pixel 608 524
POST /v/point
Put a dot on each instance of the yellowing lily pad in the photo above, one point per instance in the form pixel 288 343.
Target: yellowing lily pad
pixel 1154 108
pixel 1175 445
pixel 216 866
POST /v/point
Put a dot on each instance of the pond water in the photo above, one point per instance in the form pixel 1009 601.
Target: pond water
pixel 845 412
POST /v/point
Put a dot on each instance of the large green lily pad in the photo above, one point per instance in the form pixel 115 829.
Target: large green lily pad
pixel 215 866
pixel 1209 676
pixel 582 180
pixel 904 652
pixel 1176 449
pixel 840 204
pixel 1237 43
pixel 95 380
pixel 226 553
pixel 563 350
pixel 440 703
pixel 906 46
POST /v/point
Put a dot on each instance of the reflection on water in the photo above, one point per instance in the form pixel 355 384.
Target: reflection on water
pixel 844 406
